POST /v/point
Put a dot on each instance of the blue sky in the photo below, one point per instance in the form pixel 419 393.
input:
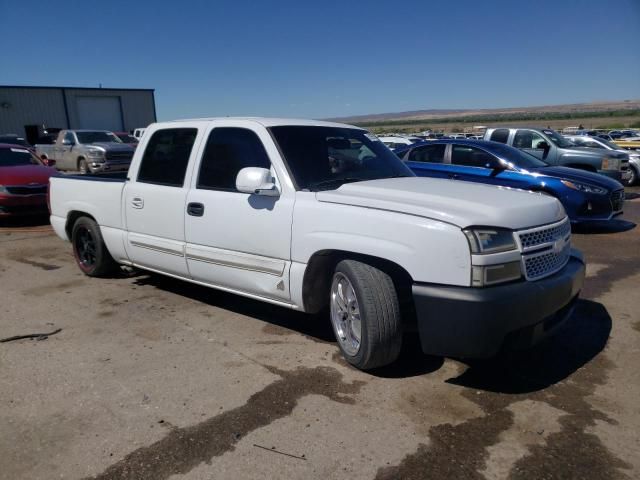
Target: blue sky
pixel 328 58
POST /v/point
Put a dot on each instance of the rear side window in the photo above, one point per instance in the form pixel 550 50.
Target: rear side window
pixel 472 157
pixel 428 154
pixel 500 135
pixel 228 151
pixel 166 157
pixel 527 139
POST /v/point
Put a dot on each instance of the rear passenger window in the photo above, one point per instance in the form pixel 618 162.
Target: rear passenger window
pixel 472 157
pixel 500 135
pixel 166 157
pixel 228 151
pixel 428 153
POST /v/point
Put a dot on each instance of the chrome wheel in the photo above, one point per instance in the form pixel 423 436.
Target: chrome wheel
pixel 83 167
pixel 345 314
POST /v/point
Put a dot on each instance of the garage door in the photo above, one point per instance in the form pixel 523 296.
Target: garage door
pixel 100 113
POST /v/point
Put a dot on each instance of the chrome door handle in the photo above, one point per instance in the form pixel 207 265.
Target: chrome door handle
pixel 137 202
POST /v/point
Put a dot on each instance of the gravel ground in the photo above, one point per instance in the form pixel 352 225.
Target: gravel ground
pixel 152 378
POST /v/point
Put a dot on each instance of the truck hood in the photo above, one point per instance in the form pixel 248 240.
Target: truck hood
pixel 463 204
pixel 113 146
pixel 26 174
pixel 591 152
pixel 577 175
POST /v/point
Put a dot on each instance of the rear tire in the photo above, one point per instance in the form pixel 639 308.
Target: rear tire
pixel 83 166
pixel 365 315
pixel 634 177
pixel 89 249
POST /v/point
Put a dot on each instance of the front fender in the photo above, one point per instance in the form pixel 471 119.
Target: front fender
pixel 429 250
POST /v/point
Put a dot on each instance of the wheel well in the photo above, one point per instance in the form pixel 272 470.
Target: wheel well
pixel 72 218
pixel 319 271
pixel 582 166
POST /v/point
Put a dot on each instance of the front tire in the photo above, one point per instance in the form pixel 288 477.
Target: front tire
pixel 89 249
pixel 365 315
pixel 634 177
pixel 83 166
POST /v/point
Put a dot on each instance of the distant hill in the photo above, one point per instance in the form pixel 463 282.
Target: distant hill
pixel 442 114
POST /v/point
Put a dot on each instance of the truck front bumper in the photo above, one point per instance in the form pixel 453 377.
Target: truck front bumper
pixel 479 322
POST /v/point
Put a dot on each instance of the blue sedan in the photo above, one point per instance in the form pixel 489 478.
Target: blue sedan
pixel 586 196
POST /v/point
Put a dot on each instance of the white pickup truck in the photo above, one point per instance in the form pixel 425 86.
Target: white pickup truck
pixel 312 215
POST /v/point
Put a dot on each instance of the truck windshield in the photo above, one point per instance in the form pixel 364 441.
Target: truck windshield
pixel 324 158
pixel 14 157
pixel 97 137
pixel 558 140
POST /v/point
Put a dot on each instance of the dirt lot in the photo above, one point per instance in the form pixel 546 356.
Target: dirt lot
pixel 155 378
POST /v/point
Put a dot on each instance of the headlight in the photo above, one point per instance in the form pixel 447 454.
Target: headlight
pixel 95 153
pixel 3 189
pixel 610 163
pixel 584 187
pixel 490 240
pixel 483 275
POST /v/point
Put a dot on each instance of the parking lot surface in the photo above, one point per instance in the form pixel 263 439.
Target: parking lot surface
pixel 154 378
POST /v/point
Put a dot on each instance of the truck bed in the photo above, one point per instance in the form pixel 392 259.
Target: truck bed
pixel 98 195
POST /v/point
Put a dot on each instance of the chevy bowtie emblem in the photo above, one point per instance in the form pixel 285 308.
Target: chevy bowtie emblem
pixel 558 245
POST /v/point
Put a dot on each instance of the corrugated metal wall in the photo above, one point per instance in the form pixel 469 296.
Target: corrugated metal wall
pixel 30 106
pixel 21 106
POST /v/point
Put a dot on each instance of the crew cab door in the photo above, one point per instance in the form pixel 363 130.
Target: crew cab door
pixel 155 199
pixel 238 241
pixel 67 141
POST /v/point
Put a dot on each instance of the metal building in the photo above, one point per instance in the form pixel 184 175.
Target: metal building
pixel 30 111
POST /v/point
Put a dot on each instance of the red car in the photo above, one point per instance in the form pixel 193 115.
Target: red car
pixel 24 182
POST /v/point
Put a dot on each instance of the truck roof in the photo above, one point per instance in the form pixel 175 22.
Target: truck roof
pixel 272 122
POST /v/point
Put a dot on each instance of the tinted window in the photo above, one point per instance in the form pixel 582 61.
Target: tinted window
pixel 527 139
pixel 324 158
pixel 11 157
pixel 472 157
pixel 428 153
pixel 95 137
pixel 500 135
pixel 166 157
pixel 228 151
pixel 68 137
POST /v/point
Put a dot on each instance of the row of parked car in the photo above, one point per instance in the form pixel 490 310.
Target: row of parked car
pixel 583 172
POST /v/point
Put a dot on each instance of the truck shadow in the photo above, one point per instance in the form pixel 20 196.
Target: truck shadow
pixel 314 327
pixel 581 339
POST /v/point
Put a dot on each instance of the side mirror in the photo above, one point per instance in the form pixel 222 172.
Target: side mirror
pixel 67 142
pixel 543 146
pixel 49 162
pixel 257 181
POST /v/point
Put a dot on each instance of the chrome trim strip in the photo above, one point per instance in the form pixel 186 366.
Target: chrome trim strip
pixel 156 249
pixel 241 266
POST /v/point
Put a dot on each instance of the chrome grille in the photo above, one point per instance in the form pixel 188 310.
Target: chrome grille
pixel 617 200
pixel 541 265
pixel 124 156
pixel 546 249
pixel 531 239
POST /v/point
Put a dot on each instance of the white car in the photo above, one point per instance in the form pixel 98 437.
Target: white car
pixel 311 215
pixel 398 141
pixel 632 173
